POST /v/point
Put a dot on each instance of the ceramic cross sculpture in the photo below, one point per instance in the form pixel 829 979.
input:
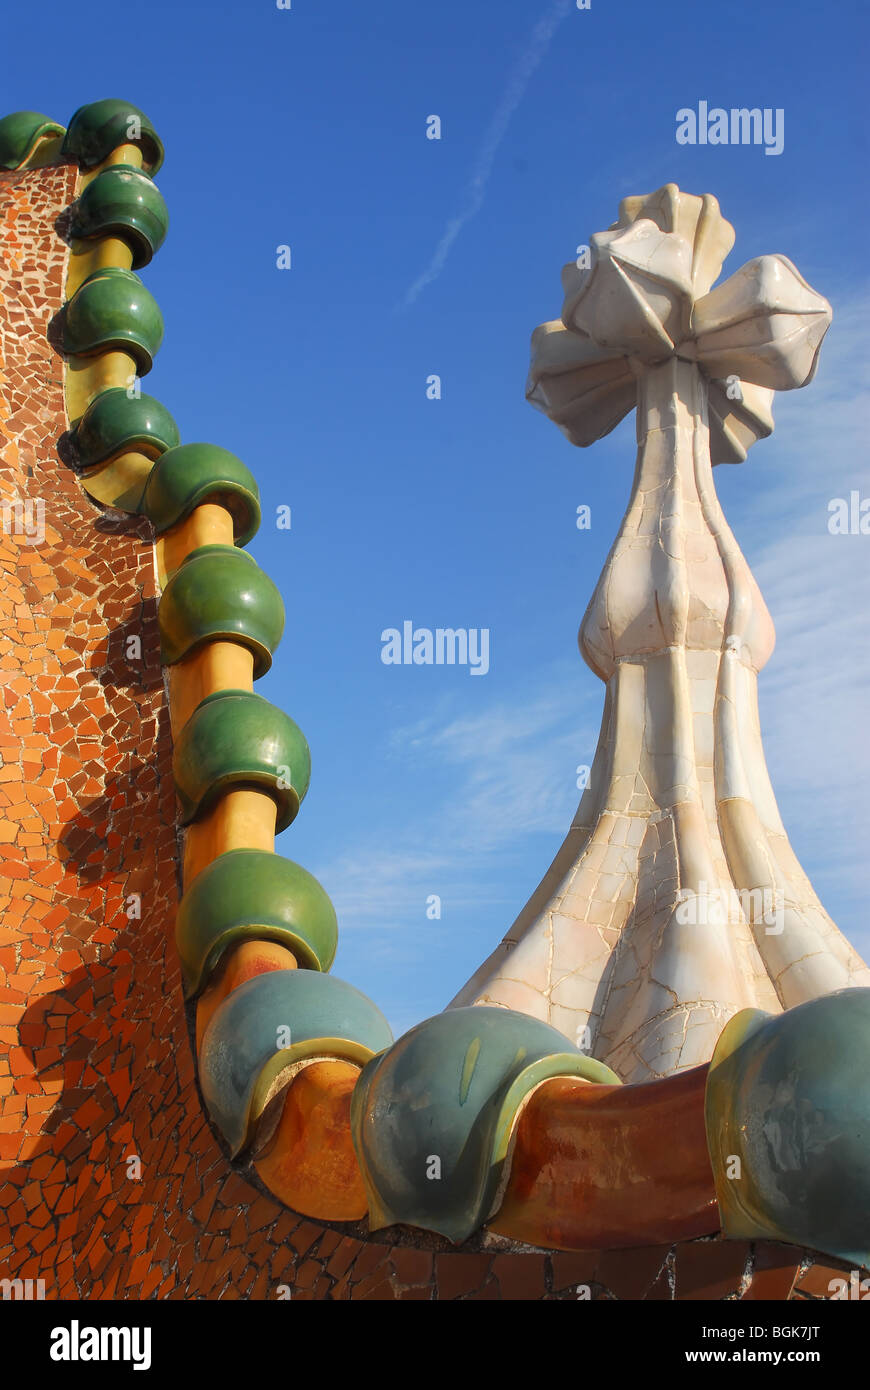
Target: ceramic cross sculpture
pixel 676 899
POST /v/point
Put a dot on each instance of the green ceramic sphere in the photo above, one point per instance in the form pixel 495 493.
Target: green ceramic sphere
pixel 220 592
pixel 101 126
pixel 453 1086
pixel 115 422
pixel 112 310
pixel 122 201
pixel 186 477
pixel 235 738
pixel 251 895
pixel 242 1052
pixel 19 133
pixel 789 1095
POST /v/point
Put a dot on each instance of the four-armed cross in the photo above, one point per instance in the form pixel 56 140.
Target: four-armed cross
pixel 676 898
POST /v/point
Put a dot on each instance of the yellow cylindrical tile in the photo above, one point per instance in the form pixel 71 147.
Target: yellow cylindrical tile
pixel 310 1163
pixel 242 819
pixel 244 961
pixel 209 524
pixel 215 666
pixel 86 377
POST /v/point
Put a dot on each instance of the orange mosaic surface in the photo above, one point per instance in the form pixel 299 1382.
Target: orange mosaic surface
pixel 112 1184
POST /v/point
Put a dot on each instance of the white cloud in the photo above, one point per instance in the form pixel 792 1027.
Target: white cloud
pixel 517 761
pixel 513 775
pixel 533 55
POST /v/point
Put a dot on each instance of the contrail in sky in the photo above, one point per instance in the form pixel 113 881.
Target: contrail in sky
pixel 542 36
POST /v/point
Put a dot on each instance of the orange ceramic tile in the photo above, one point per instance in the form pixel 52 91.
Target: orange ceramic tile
pixel 310 1163
pixel 589 1170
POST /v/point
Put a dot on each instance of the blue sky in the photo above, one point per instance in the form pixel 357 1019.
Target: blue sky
pixel 307 128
